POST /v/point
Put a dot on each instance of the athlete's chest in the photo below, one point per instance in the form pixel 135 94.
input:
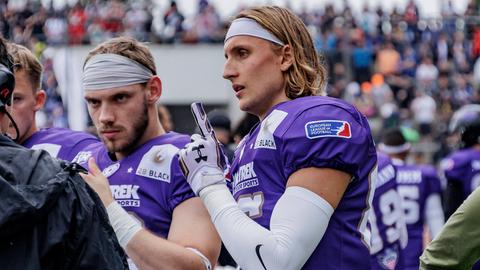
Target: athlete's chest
pixel 257 165
pixel 153 166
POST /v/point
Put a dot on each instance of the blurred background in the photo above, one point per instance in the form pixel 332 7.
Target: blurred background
pixel 401 63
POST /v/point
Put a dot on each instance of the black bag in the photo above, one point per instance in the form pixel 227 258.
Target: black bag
pixel 49 217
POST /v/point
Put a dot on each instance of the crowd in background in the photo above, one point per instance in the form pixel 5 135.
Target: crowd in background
pixel 397 67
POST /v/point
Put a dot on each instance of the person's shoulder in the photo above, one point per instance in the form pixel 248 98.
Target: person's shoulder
pixel 456 160
pixel 161 148
pixel 176 139
pixel 71 133
pixel 320 117
pixel 428 170
pixel 321 108
pixel 383 160
pixel 62 136
pixel 317 103
pixel 94 149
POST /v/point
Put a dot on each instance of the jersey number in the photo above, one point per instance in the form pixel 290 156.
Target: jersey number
pixel 392 217
pixel 410 196
pixel 251 204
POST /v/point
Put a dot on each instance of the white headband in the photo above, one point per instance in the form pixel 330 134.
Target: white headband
pixel 389 149
pixel 110 70
pixel 249 27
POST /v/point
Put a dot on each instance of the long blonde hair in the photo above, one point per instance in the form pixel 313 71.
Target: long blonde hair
pixel 307 76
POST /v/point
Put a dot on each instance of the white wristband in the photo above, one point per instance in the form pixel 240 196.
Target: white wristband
pixel 124 225
pixel 205 260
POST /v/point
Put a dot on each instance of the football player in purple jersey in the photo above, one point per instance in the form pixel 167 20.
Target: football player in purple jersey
pixel 303 178
pixel 462 167
pixel 28 99
pixel 387 220
pixel 420 190
pixel 49 217
pixel 145 184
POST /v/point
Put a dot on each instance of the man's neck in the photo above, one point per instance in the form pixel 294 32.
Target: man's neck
pixel 28 135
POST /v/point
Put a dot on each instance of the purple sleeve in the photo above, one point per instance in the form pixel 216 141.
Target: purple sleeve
pixel 81 145
pixel 433 180
pixel 179 189
pixel 327 137
pixel 452 169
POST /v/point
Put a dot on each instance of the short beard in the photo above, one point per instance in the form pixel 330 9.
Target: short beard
pixel 139 127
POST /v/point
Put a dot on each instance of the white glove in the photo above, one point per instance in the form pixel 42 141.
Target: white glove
pixel 202 161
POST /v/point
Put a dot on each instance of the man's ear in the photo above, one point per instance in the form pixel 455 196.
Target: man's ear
pixel 40 99
pixel 154 89
pixel 287 57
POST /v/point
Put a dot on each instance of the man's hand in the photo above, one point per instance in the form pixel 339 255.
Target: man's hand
pixel 98 182
pixel 202 161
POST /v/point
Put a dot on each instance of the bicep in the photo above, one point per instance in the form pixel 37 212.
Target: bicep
pixel 191 227
pixel 330 184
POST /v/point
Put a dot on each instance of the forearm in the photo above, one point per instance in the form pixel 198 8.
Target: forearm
pixel 292 237
pixel 148 251
pixel 145 249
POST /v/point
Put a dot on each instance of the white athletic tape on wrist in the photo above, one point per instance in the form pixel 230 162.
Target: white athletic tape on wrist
pixel 124 225
pixel 205 260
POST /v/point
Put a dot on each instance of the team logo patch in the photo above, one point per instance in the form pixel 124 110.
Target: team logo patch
pixel 328 128
pixel 108 171
pixel 156 163
pixel 267 128
pixel 82 157
pixel 388 260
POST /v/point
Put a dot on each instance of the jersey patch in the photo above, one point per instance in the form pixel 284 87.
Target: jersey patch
pixel 155 164
pixel 108 171
pixel 82 157
pixel 126 195
pixel 389 258
pixel 269 125
pixel 328 128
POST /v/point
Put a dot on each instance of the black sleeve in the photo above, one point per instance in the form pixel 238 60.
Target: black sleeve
pixel 453 197
pixel 92 243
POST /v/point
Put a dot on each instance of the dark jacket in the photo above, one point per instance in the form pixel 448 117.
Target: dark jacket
pixel 49 217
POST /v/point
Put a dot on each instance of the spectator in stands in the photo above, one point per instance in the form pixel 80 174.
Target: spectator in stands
pixel 173 20
pixel 388 59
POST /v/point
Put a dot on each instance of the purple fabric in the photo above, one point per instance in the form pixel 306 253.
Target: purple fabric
pixel 463 166
pixel 148 183
pixel 317 132
pixel 415 184
pixel 66 141
pixel 386 249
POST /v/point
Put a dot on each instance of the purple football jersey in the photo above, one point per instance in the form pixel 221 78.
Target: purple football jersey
pixel 463 166
pixel 320 132
pixel 60 142
pixel 415 184
pixel 387 221
pixel 148 183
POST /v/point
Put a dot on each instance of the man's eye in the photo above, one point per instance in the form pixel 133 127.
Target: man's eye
pixel 92 102
pixel 242 53
pixel 121 98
